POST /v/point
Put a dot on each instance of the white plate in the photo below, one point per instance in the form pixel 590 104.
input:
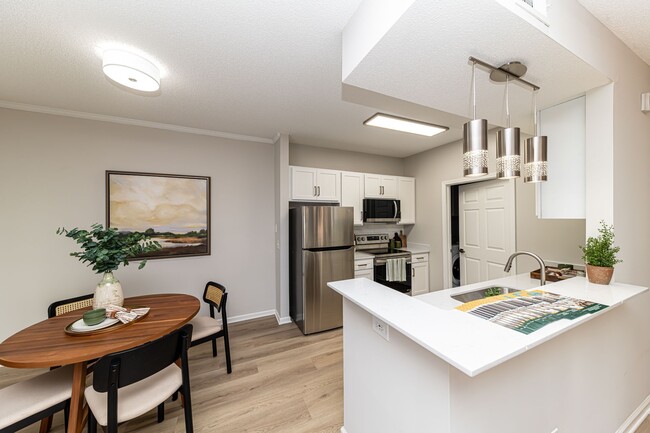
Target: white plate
pixel 80 326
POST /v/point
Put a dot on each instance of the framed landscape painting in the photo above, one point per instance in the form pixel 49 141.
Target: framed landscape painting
pixel 172 209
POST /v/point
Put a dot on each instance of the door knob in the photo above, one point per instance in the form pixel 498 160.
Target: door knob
pixel 462 251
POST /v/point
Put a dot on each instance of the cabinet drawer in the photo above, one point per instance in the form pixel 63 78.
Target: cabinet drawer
pixel 360 265
pixel 420 258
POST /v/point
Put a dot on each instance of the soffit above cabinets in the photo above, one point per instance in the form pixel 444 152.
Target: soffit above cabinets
pixel 423 59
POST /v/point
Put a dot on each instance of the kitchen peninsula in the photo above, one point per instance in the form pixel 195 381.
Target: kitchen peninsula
pixel 444 370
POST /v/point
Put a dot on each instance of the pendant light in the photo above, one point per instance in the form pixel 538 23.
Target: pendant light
pixel 475 144
pixel 535 159
pixel 508 144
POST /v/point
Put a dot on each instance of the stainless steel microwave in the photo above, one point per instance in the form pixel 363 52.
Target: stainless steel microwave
pixel 376 210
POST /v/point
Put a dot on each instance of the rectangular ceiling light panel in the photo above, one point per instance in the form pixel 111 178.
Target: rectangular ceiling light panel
pixel 405 125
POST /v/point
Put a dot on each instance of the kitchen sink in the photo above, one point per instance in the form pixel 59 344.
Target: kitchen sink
pixel 483 292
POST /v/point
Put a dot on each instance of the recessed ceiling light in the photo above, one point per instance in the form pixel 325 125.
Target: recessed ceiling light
pixel 131 70
pixel 405 125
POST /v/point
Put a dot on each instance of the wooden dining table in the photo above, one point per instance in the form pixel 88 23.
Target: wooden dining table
pixel 46 344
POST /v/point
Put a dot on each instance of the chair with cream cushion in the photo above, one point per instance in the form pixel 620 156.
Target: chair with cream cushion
pixel 29 401
pixel 130 383
pixel 208 328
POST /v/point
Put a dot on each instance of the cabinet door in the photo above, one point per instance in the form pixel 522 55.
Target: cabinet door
pixel 406 196
pixel 419 278
pixel 388 187
pixel 328 185
pixel 303 183
pixel 366 273
pixel 352 194
pixel 372 186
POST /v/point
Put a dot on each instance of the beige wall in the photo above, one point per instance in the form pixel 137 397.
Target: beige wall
pixel 553 240
pixel 52 174
pixel 320 157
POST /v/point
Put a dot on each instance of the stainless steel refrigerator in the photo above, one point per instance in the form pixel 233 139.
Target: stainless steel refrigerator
pixel 321 249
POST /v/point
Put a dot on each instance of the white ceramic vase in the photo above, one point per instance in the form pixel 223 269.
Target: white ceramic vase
pixel 107 292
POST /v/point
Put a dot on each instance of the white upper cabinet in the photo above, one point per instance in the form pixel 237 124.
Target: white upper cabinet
pixel 406 196
pixel 379 186
pixel 352 191
pixel 564 194
pixel 315 184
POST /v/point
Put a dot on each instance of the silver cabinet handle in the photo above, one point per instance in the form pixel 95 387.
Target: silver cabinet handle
pixel 314 191
pixel 382 190
pixel 412 272
pixel 319 191
pixel 363 265
pixel 419 258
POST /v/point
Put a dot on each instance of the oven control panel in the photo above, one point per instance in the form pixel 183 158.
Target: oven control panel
pixel 371 239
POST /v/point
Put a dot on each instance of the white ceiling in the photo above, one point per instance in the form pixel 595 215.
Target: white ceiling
pixel 629 20
pixel 260 67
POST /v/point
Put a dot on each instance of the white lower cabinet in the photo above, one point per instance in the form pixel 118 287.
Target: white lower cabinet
pixel 419 274
pixel 363 268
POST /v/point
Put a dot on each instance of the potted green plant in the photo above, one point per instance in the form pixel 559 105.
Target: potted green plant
pixel 599 255
pixel 106 249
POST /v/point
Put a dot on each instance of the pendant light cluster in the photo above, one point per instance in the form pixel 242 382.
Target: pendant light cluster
pixel 508 149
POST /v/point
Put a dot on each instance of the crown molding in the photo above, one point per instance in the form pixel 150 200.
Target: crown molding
pixel 133 122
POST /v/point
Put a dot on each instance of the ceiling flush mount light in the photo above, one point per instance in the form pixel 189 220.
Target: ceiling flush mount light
pixel 396 123
pixel 508 159
pixel 535 160
pixel 131 70
pixel 475 153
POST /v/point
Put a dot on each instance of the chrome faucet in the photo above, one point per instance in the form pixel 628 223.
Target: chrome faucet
pixel 542 266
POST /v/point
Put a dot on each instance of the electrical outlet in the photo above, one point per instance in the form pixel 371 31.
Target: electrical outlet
pixel 380 328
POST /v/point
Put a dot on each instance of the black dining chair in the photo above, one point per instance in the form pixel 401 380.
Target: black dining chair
pixel 129 383
pixel 66 305
pixel 56 309
pixel 208 328
pixel 35 399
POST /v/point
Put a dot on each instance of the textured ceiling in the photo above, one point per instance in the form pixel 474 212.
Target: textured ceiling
pixel 424 59
pixel 629 20
pixel 256 68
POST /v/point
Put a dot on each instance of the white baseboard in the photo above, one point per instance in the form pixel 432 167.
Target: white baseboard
pixel 251 316
pixel 282 320
pixel 637 417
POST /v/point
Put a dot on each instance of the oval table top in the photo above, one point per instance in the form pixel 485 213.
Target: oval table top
pixel 46 344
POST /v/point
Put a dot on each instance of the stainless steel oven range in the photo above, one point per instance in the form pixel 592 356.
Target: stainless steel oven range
pixel 387 261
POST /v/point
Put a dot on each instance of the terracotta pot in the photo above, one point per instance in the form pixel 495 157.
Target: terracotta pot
pixel 599 274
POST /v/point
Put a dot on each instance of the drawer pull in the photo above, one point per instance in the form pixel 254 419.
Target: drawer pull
pixel 363 265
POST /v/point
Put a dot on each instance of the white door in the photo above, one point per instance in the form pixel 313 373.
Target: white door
pixel 372 186
pixel 486 229
pixel 328 185
pixel 303 183
pixel 406 196
pixel 352 194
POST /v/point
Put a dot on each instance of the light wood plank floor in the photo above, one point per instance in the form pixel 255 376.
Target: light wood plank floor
pixel 282 381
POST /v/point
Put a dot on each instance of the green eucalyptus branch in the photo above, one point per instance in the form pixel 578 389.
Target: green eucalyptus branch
pixel 106 248
pixel 600 250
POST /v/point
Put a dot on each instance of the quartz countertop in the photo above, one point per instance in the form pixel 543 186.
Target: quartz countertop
pixel 469 343
pixel 417 248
